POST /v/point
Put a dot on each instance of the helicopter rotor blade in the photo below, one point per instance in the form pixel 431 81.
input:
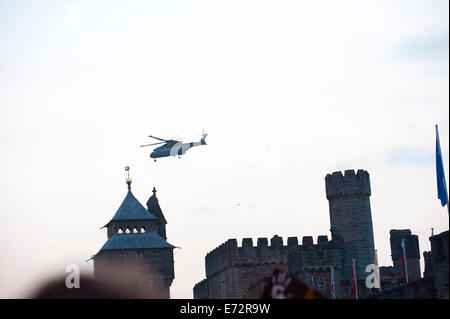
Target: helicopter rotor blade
pixel 195 135
pixel 177 134
pixel 157 138
pixel 152 144
pixel 184 137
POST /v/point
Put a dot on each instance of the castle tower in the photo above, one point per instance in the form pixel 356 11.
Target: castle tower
pixel 411 249
pixel 134 239
pixel 351 219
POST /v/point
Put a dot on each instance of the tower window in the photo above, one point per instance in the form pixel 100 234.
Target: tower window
pixel 142 229
pixel 127 230
pixel 155 253
pixel 120 231
pixel 135 230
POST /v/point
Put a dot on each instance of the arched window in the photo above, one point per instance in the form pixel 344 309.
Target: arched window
pixel 142 229
pixel 135 230
pixel 120 231
pixel 127 230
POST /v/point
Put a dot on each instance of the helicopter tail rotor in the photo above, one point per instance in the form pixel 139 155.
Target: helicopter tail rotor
pixel 203 140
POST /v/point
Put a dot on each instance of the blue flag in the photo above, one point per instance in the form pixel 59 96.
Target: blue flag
pixel 441 187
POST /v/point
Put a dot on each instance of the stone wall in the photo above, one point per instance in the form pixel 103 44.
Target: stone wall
pixel 156 263
pixel 316 261
pixel 201 290
pixel 241 272
pixel 418 289
pixel 232 271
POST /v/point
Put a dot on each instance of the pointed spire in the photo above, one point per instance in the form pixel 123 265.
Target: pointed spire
pixel 154 191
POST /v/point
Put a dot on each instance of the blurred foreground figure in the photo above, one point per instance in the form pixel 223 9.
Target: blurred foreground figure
pixel 120 282
pixel 283 286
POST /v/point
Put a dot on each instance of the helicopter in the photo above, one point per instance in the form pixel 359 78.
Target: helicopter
pixel 173 147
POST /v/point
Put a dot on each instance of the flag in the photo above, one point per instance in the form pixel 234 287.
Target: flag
pixel 333 292
pixel 377 273
pixel 355 283
pixel 404 265
pixel 441 185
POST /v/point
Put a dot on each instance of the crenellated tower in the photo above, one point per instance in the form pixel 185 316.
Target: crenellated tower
pixel 351 219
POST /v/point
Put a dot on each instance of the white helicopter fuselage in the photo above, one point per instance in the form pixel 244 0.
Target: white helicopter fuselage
pixel 175 149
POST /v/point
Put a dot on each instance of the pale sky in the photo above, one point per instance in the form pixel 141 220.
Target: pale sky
pixel 288 91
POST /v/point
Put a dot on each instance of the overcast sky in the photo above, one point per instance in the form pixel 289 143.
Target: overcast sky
pixel 288 91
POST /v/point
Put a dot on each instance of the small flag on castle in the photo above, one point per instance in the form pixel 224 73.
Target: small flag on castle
pixel 441 184
pixel 332 289
pixel 354 280
pixel 404 265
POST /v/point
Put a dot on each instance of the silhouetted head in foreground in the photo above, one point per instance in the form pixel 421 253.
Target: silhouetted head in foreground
pixel 120 282
pixel 129 282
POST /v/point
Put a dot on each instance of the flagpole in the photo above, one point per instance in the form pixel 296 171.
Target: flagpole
pixel 443 173
pixel 404 262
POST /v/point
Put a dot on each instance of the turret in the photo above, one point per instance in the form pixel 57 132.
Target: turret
pixel 154 209
pixel 351 218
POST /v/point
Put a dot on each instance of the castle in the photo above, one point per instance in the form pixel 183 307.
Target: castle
pixel 242 272
pixel 138 236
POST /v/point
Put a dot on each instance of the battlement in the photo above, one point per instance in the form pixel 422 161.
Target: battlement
pixel 347 184
pixel 230 254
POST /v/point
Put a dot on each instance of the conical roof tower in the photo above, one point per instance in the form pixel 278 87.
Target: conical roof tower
pixel 135 235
